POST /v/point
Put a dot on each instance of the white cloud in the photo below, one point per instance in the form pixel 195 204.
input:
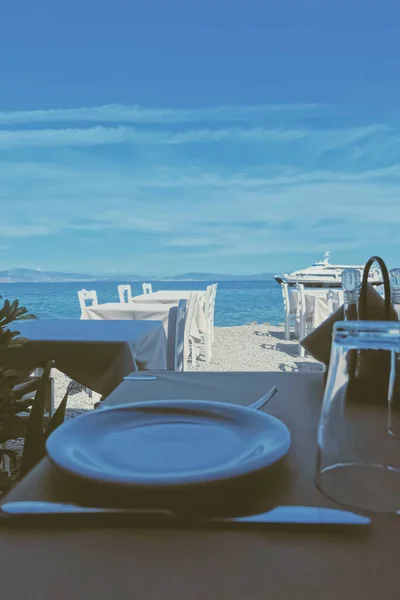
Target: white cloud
pixel 139 114
pixel 100 136
pixel 162 201
pixel 130 219
pixel 178 205
pixel 320 140
pixel 187 242
pixel 15 230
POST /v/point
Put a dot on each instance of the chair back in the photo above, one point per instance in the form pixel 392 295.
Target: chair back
pixel 301 299
pixel 335 299
pixel 122 289
pixel 189 318
pixel 289 300
pixel 210 305
pixel 85 295
pixel 285 296
pixel 147 288
pixel 176 337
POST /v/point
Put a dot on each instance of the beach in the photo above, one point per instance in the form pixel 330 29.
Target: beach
pixel 255 347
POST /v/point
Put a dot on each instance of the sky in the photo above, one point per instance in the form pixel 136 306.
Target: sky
pixel 159 138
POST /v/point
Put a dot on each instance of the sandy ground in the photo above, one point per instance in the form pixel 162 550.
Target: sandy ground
pixel 255 348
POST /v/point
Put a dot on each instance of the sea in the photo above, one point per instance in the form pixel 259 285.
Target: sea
pixel 237 302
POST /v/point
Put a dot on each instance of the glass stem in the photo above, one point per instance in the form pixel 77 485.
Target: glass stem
pixel 392 408
pixel 350 311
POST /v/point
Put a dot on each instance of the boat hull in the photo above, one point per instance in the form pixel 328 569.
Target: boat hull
pixel 312 283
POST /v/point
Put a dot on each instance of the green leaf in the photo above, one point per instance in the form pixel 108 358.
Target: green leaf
pixel 10 453
pixel 6 309
pixel 27 386
pixel 22 405
pixel 21 341
pixel 58 417
pixel 27 316
pixel 14 307
pixel 34 447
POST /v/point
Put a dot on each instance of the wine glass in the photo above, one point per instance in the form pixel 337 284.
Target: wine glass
pixel 358 462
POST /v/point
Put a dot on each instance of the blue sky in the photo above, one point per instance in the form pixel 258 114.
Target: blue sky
pixel 162 137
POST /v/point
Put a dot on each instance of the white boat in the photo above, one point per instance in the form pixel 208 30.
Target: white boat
pixel 324 274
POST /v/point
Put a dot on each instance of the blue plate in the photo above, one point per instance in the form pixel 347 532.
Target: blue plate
pixel 168 443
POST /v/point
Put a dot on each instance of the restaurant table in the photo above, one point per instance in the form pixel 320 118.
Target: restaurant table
pixel 322 310
pixel 153 311
pixel 324 306
pixel 169 296
pixel 318 305
pixel 96 354
pixel 229 564
pixel 173 296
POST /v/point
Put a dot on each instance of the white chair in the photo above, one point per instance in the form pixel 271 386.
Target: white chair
pixel 190 344
pixel 306 319
pixel 210 307
pixel 85 295
pixel 176 337
pixel 335 300
pixel 147 288
pixel 121 293
pixel 290 308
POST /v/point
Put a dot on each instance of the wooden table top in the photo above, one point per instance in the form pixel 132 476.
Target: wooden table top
pixel 198 564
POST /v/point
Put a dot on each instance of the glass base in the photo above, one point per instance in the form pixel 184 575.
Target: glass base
pixel 368 487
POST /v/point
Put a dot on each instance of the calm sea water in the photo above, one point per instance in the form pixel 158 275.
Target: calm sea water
pixel 238 302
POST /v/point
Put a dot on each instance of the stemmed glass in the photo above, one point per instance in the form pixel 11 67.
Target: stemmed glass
pixel 358 461
pixel 351 283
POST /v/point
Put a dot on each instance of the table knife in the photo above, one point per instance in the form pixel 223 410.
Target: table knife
pixel 140 378
pixel 288 515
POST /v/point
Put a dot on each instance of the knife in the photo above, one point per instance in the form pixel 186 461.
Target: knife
pixel 282 515
pixel 140 378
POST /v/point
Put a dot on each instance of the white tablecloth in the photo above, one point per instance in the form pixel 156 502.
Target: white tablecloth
pixel 322 310
pixel 152 311
pixel 325 306
pixel 200 322
pixel 128 312
pixel 318 304
pixel 170 296
pixel 96 354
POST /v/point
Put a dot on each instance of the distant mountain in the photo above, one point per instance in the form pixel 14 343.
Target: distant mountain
pixel 35 276
pixel 219 277
pixel 32 275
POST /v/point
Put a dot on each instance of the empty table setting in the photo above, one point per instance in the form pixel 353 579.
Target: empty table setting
pixel 320 303
pixel 128 311
pixel 154 306
pixel 95 354
pixel 172 297
pixel 147 311
pixel 254 461
pixel 324 306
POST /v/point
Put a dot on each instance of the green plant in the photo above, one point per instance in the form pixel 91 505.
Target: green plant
pixel 21 393
pixel 14 384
